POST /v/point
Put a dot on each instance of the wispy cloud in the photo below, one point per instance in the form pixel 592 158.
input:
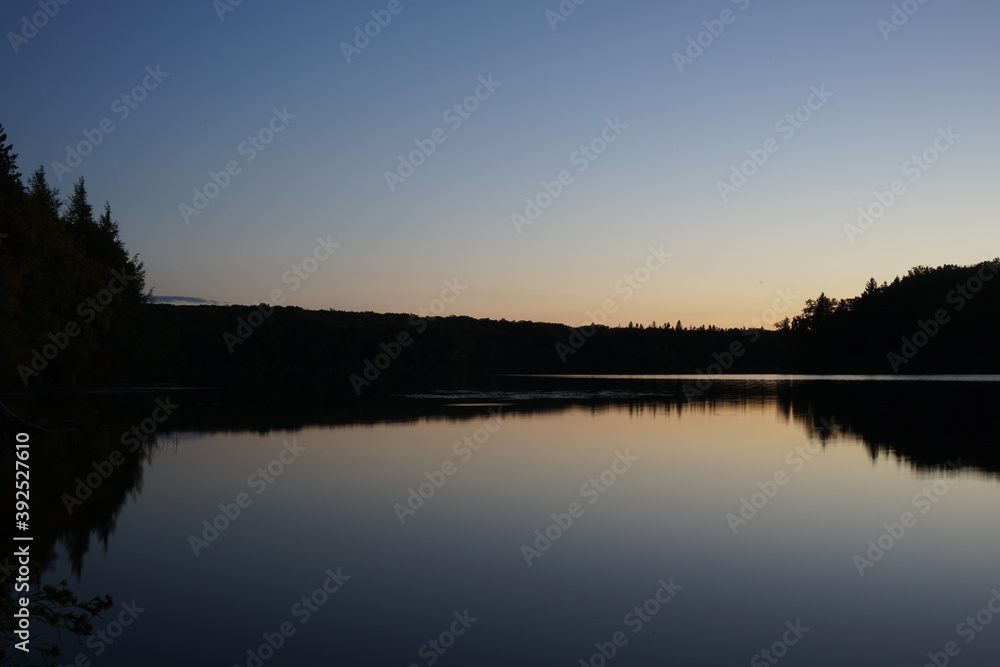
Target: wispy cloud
pixel 184 301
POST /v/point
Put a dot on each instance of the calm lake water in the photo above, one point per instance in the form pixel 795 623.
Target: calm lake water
pixel 535 521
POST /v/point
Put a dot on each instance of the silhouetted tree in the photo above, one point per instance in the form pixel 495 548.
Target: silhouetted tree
pixel 871 288
pixel 10 177
pixel 50 265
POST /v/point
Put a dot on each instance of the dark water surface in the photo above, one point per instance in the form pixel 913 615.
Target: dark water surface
pixel 531 521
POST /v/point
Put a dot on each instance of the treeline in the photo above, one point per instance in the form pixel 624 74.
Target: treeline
pixel 71 297
pixel 941 320
pixel 933 320
pixel 74 310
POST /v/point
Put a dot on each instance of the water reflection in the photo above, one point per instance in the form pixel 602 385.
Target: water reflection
pixel 925 424
pixel 922 425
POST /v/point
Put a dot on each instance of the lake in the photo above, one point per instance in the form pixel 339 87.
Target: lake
pixel 520 520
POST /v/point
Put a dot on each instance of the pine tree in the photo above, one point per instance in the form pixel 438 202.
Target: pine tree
pixel 44 198
pixel 51 263
pixel 871 288
pixel 10 177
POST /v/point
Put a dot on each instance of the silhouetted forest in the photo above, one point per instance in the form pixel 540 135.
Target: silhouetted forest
pixel 74 310
pixel 71 297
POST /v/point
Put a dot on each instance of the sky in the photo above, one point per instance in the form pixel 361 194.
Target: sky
pixel 694 161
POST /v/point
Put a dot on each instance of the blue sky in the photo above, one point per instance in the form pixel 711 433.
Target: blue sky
pixel 656 185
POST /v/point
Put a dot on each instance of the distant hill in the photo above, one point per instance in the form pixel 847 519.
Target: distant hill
pixel 941 320
pixel 74 310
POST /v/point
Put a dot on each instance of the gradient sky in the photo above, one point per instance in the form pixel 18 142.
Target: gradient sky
pixel 656 185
